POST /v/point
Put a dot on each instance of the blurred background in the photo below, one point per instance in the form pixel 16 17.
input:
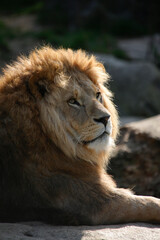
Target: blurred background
pixel 125 37
pixel 124 34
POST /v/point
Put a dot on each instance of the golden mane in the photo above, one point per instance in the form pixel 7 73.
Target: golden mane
pixel 41 60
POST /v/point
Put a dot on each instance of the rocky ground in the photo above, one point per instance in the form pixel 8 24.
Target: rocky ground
pixel 136 161
pixel 40 231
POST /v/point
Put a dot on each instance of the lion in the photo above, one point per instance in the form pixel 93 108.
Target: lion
pixel 58 127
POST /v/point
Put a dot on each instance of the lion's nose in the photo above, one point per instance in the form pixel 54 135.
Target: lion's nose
pixel 103 120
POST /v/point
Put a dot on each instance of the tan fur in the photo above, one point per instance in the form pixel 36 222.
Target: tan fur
pixel 53 152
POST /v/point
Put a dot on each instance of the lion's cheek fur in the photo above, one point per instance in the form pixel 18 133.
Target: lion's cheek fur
pixel 52 125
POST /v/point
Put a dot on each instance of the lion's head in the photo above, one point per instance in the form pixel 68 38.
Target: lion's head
pixel 75 109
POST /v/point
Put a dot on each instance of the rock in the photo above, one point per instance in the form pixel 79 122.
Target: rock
pixel 136 163
pixel 143 48
pixel 41 231
pixel 136 48
pixel 136 86
pixel 128 119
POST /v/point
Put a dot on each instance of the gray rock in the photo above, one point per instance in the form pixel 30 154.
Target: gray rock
pixel 137 48
pixel 40 231
pixel 136 86
pixel 128 119
pixel 136 163
pixel 143 48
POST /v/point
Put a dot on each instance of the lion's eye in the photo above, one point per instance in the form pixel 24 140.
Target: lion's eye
pixel 73 101
pixel 99 97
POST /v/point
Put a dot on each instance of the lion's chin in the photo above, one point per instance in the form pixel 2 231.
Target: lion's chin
pixel 101 144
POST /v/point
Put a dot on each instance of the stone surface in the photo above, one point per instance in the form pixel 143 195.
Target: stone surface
pixel 40 231
pixel 136 163
pixel 137 48
pixel 136 86
pixel 144 48
pixel 128 119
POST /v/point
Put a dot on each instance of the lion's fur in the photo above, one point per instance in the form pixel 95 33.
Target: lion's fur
pixel 43 163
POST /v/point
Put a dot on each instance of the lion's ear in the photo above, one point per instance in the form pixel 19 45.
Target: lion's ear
pixel 42 88
pixel 37 88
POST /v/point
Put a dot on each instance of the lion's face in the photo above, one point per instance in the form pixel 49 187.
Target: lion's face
pixel 79 115
pixel 89 119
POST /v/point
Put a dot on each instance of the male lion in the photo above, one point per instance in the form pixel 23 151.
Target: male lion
pixel 57 129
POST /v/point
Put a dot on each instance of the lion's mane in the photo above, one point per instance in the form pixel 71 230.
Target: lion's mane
pixel 34 136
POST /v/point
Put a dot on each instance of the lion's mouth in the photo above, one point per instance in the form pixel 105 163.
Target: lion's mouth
pixel 99 137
